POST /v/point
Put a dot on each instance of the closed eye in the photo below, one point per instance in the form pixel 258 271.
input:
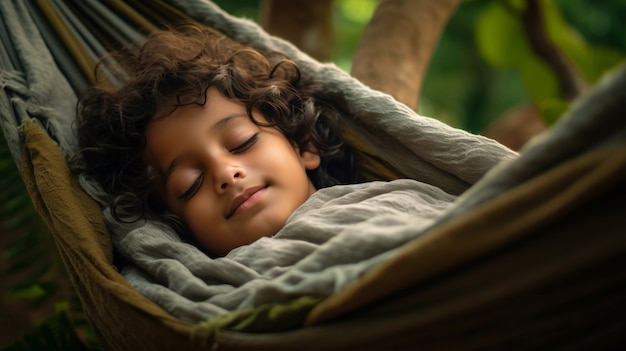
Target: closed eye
pixel 246 144
pixel 189 193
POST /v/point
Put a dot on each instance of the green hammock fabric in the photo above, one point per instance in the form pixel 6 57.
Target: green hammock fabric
pixel 557 262
pixel 534 261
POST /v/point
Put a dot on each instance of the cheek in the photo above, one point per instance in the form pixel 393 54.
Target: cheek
pixel 205 225
pixel 278 154
pixel 199 213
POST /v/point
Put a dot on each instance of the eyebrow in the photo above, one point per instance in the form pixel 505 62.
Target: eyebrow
pixel 221 124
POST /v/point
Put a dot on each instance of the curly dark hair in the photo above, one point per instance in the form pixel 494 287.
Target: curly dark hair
pixel 180 65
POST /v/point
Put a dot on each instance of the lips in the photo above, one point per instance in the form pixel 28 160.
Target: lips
pixel 243 200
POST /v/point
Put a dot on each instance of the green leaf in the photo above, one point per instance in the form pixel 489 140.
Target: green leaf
pixel 61 306
pixel 590 60
pixel 36 293
pixel 538 80
pixel 51 289
pixel 500 37
pixel 357 11
pixel 30 292
pixel 598 60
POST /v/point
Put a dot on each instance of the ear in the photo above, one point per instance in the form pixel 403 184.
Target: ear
pixel 310 159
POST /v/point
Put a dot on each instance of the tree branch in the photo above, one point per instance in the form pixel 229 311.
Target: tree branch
pixel 571 83
pixel 305 23
pixel 398 44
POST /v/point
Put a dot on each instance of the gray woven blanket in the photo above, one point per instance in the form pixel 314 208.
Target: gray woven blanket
pixel 326 244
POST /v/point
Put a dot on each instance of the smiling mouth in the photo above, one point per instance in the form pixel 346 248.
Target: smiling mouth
pixel 245 200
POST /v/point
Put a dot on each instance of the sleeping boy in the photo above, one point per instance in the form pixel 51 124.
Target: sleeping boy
pixel 218 140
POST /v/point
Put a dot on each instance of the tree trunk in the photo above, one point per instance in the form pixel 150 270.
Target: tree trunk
pixel 398 44
pixel 305 23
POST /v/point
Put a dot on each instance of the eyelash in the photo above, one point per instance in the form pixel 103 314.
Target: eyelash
pixel 193 189
pixel 245 146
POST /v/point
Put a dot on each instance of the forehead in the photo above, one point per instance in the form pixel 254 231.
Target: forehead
pixel 169 133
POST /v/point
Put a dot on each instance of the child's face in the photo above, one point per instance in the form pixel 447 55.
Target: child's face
pixel 231 181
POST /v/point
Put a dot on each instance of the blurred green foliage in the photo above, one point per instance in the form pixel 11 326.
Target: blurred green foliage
pixel 54 334
pixel 41 281
pixel 483 65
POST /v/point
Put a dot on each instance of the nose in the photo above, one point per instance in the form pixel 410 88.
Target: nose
pixel 227 176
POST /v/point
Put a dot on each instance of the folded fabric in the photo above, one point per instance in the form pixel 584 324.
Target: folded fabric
pixel 334 237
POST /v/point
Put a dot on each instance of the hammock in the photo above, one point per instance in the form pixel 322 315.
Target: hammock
pixel 529 256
